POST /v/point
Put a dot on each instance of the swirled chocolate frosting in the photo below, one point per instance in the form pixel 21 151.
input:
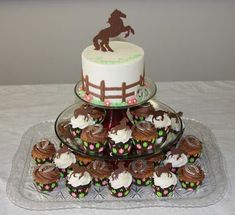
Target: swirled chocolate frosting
pixel 143 110
pixel 191 173
pixel 190 145
pixel 94 133
pixel 144 131
pixel 44 149
pixel 141 168
pixel 100 169
pixel 46 174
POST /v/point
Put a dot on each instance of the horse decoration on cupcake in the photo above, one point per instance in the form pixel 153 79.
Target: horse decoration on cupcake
pixel 101 40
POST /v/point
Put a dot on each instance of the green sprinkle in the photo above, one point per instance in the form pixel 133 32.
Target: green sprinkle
pixel 183 185
pixel 81 195
pixel 147 182
pixel 53 185
pixel 126 146
pixel 192 184
pixel 145 144
pixel 126 192
pixel 113 191
pixel 160 133
pixel 97 145
pixel 170 194
pixel 61 175
pixel 138 181
pixel 153 140
pixel 85 144
pixel 191 160
pixel 97 184
pixel 159 194
pixel 141 118
pixel 114 150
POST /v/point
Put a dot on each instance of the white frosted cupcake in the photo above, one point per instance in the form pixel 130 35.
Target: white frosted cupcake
pixel 162 123
pixel 176 158
pixel 120 182
pixel 164 181
pixel 120 142
pixel 63 159
pixel 78 181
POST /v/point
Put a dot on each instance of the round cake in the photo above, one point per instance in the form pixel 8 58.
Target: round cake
pixel 113 77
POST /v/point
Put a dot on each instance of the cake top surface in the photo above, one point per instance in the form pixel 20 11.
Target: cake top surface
pixel 124 52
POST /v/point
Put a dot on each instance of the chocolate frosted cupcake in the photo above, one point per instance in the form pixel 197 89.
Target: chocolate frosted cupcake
pixel 100 171
pixel 94 138
pixel 46 177
pixel 164 181
pixel 120 142
pixel 142 172
pixel 176 158
pixel 139 113
pixel 191 176
pixel 78 181
pixel 156 159
pixel 144 136
pixel 120 181
pixel 80 120
pixel 82 160
pixel 162 123
pixel 63 160
pixel 191 146
pixel 43 152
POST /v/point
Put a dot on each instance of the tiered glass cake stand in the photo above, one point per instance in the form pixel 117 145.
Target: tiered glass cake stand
pixel 22 191
pixel 113 116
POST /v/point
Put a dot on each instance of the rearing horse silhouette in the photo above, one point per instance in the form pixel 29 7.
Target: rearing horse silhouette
pixel 116 28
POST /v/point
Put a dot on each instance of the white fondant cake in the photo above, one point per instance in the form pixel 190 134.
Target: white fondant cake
pixel 113 77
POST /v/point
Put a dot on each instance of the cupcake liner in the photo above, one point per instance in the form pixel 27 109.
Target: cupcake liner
pixel 193 158
pixel 162 135
pixel 142 181
pixel 100 182
pixel 120 149
pixel 144 146
pixel 163 192
pixel 78 192
pixel 40 161
pixel 46 187
pixel 190 185
pixel 93 148
pixel 120 192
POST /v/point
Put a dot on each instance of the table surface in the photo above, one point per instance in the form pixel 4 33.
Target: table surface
pixel 212 103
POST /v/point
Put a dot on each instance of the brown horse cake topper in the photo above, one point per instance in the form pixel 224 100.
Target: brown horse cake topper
pixel 101 40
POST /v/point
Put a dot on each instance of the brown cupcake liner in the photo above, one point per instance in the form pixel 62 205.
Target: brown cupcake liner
pixel 142 181
pixel 193 158
pixel 93 148
pixel 121 192
pixel 163 192
pixel 46 187
pixel 190 185
pixel 100 182
pixel 120 149
pixel 78 192
pixel 40 161
pixel 144 145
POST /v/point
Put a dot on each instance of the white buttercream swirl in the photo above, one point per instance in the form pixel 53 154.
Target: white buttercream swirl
pixel 81 121
pixel 175 160
pixel 165 180
pixel 122 135
pixel 160 122
pixel 124 179
pixel 64 160
pixel 76 179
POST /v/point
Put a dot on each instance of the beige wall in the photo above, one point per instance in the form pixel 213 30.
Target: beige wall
pixel 41 40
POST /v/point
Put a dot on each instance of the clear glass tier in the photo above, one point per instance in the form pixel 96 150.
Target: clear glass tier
pixel 112 117
pixel 143 94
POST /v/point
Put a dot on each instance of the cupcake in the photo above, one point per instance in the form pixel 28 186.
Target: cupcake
pixel 191 176
pixel 120 142
pixel 100 172
pixel 162 123
pixel 94 139
pixel 120 181
pixel 43 152
pixel 191 146
pixel 46 177
pixel 80 120
pixel 63 160
pixel 144 136
pixel 142 172
pixel 82 160
pixel 97 114
pixel 139 113
pixel 78 181
pixel 176 158
pixel 175 122
pixel 164 181
pixel 156 159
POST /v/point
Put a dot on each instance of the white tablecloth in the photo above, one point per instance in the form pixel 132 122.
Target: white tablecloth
pixel 212 103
